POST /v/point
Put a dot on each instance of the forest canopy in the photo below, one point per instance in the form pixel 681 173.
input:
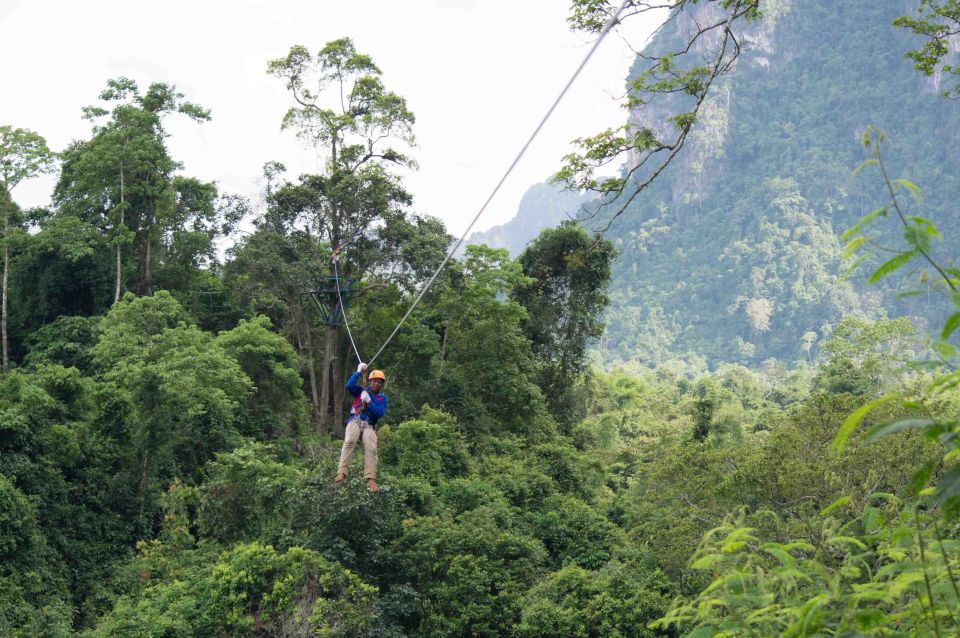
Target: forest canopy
pixel 176 360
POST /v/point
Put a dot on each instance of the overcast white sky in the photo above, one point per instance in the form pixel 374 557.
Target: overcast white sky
pixel 478 75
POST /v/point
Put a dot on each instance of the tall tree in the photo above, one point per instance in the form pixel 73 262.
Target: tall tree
pixel 184 388
pixel 122 178
pixel 490 380
pixel 23 154
pixel 565 297
pixel 355 191
pixel 268 272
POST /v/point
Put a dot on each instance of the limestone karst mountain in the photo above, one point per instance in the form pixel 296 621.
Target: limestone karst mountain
pixel 734 253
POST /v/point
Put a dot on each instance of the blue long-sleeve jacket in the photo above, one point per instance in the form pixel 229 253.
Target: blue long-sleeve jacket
pixel 378 402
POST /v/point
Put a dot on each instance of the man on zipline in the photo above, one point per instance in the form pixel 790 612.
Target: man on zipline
pixel 368 408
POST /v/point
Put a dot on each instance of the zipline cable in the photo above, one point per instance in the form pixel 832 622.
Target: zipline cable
pixel 603 34
pixel 343 310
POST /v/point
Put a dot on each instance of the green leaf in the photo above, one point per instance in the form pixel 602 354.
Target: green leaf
pixel 870 161
pixel 948 488
pixel 917 238
pixel 731 546
pixel 871 517
pixel 886 429
pixel 850 232
pixel 852 247
pixel 846 540
pixel 851 422
pixel 808 616
pixel 850 571
pixel 866 219
pixel 952 323
pixel 777 552
pixel 921 477
pixel 799 545
pixel 945 350
pixel 928 227
pixel 840 502
pixel 849 271
pixel 946 382
pixel 910 186
pixel 890 266
pixel 706 562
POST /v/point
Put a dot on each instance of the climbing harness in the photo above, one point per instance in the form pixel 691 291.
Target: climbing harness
pixel 603 34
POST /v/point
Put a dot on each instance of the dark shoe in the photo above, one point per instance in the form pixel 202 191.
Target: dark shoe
pixel 338 481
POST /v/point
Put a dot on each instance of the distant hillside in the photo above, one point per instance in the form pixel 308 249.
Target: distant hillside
pixel 734 252
pixel 542 206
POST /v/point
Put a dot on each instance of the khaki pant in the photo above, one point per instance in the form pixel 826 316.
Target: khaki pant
pixel 357 429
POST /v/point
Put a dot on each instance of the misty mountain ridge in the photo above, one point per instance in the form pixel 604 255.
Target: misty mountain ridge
pixel 544 205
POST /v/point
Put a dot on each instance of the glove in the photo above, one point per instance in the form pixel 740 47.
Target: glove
pixel 365 397
pixel 361 367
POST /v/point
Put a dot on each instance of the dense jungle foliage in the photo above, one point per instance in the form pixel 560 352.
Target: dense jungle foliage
pixel 171 415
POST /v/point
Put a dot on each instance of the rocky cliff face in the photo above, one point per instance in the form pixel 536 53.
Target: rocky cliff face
pixel 698 163
pixel 734 252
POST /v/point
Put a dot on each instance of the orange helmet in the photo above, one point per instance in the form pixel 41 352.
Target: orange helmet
pixel 377 374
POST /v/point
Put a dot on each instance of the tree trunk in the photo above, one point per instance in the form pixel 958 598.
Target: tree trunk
pixel 6 278
pixel 305 344
pixel 329 349
pixel 116 294
pixel 145 248
pixel 338 387
pixel 144 485
pixel 443 352
pixel 314 391
pixel 147 273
